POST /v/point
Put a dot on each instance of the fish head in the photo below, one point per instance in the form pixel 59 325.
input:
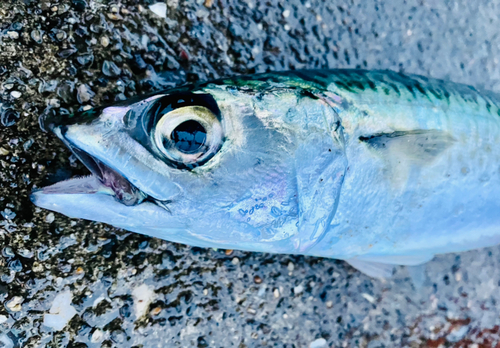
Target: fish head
pixel 218 165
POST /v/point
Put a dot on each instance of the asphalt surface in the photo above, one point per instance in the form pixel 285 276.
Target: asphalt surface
pixel 74 283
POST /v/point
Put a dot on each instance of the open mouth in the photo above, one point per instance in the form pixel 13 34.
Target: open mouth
pixel 103 180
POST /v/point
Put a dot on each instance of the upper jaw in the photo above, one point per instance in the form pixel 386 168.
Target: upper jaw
pixel 103 180
pixel 120 166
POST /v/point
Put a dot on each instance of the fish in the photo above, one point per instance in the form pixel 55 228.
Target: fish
pixel 376 168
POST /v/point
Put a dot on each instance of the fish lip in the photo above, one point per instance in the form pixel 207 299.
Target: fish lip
pixel 107 180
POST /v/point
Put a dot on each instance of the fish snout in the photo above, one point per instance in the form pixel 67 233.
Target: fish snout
pixel 51 119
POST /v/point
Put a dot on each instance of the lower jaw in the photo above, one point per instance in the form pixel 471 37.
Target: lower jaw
pixel 125 194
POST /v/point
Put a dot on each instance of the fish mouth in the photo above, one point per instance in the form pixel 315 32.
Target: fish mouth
pixel 103 179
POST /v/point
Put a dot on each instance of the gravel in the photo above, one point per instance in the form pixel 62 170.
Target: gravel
pixel 120 289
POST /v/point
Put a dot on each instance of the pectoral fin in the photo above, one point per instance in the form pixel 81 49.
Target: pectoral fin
pixel 418 146
pixel 404 151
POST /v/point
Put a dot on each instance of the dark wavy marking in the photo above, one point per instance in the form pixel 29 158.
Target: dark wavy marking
pixel 387 83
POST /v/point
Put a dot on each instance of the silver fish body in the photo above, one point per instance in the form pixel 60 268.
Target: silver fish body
pixel 376 168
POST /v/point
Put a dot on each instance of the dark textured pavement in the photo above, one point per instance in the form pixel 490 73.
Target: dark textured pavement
pixel 129 290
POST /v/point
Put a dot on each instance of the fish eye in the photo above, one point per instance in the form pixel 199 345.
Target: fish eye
pixel 188 136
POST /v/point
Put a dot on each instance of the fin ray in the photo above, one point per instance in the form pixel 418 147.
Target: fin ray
pixel 402 260
pixel 372 269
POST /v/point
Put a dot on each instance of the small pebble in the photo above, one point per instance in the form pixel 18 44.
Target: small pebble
pixel 118 336
pixel 85 59
pixel 8 252
pixel 15 303
pixel 8 214
pixel 209 3
pixel 251 310
pixel 60 312
pixel 257 280
pixel 37 36
pixel 276 293
pixel 3 319
pixel 156 311
pixel 298 289
pixel 110 69
pixel 114 16
pixel 104 41
pixel 143 295
pixel 96 336
pixel 37 267
pixel 205 292
pixel 84 93
pixel 291 266
pixel 368 297
pixel 235 261
pixel 13 35
pixel 50 218
pixel 329 304
pixel 61 35
pixel 120 97
pixel 15 266
pixel 16 26
pixel 286 13
pixel 28 254
pixel 159 9
pixel 15 94
pixel 229 252
pixel 67 52
pixel 54 102
pixel 79 5
pixel 319 343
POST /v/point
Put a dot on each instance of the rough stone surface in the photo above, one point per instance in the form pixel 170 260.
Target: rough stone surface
pixel 61 56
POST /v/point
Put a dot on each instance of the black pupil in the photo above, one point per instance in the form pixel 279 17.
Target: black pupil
pixel 189 136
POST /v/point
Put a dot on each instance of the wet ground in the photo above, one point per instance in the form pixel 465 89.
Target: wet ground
pixel 119 289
